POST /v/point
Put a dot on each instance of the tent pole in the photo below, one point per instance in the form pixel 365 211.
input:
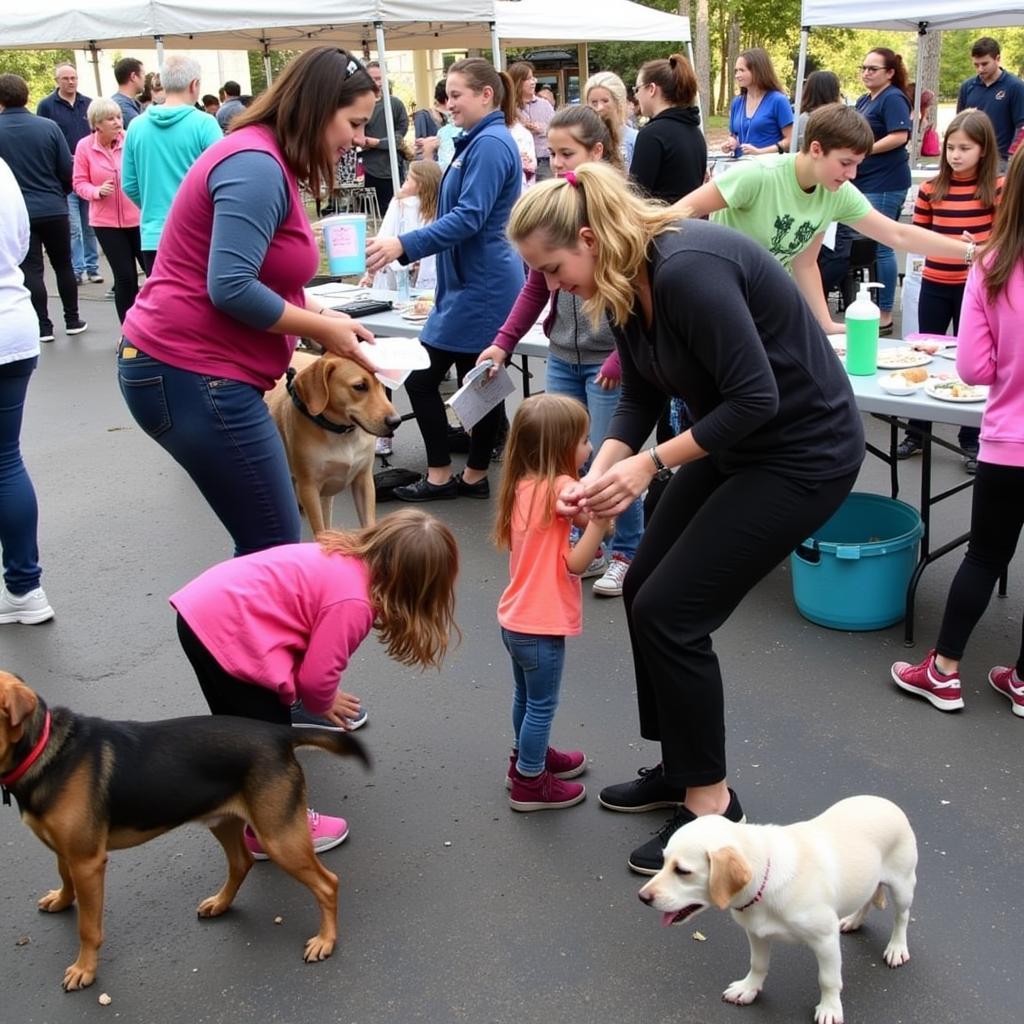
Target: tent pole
pixel 700 104
pixel 497 57
pixel 915 124
pixel 389 119
pixel 801 68
pixel 266 61
pixel 96 65
pixel 159 41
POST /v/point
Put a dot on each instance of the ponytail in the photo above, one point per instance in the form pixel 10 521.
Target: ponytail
pixel 674 77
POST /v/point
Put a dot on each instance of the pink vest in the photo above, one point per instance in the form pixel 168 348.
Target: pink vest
pixel 173 319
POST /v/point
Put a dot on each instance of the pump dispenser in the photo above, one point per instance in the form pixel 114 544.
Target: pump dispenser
pixel 862 317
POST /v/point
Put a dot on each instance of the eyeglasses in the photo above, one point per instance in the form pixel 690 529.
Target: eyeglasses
pixel 871 69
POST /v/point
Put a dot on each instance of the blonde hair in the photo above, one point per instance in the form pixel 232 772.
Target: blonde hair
pixel 427 174
pixel 613 85
pixel 413 560
pixel 622 222
pixel 100 109
pixel 542 442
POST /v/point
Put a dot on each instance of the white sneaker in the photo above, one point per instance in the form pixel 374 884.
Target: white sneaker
pixel 597 566
pixel 610 584
pixel 27 609
pixel 383 446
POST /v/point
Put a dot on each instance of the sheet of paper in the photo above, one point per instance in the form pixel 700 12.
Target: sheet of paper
pixel 480 393
pixel 828 240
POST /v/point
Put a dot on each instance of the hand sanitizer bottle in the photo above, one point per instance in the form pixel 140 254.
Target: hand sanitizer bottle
pixel 862 318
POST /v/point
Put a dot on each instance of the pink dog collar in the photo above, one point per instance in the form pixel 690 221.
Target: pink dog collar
pixel 760 891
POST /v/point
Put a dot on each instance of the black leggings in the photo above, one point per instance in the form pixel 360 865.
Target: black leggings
pixel 997 514
pixel 123 249
pixel 710 540
pixel 54 235
pixel 225 694
pixel 422 388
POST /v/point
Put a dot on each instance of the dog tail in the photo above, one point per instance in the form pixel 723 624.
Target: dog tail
pixel 344 744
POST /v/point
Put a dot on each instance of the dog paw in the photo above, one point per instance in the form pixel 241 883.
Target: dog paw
pixel 318 948
pixel 851 923
pixel 740 993
pixel 55 901
pixel 828 1012
pixel 212 906
pixel 76 977
pixel 896 954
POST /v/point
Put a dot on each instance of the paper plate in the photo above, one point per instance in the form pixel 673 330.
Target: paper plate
pixel 901 358
pixel 894 384
pixel 396 358
pixel 947 391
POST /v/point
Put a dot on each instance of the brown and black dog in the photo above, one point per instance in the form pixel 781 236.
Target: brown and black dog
pixel 89 785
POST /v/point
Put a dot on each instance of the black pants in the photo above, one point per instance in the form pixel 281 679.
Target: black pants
pixel 937 308
pixel 834 263
pixel 225 694
pixel 385 189
pixel 123 249
pixel 148 259
pixel 53 234
pixel 711 539
pixel 997 514
pixel 422 388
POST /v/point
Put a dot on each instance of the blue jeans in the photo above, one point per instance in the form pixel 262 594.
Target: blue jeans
pixel 889 205
pixel 577 381
pixel 220 432
pixel 85 256
pixel 537 669
pixel 19 513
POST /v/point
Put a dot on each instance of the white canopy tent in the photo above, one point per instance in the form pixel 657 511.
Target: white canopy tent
pixel 918 16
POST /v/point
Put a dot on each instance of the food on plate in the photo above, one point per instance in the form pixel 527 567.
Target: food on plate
pixel 915 375
pixel 956 390
pixel 899 358
pixel 422 306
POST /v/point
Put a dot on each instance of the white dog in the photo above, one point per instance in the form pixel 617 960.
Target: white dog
pixel 800 883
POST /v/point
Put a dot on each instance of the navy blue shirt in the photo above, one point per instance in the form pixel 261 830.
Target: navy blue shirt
pixel 130 108
pixel 888 112
pixel 71 119
pixel 1003 101
pixel 39 158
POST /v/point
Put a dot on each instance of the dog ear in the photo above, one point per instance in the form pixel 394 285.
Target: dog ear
pixel 314 387
pixel 729 874
pixel 17 701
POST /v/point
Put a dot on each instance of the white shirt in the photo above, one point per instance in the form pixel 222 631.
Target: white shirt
pixel 403 215
pixel 19 328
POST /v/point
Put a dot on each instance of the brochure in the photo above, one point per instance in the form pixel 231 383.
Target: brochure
pixel 480 393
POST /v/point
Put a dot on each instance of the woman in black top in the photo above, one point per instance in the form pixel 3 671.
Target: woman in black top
pixel 705 313
pixel 670 156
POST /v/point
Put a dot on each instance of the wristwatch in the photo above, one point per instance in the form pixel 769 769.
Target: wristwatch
pixel 782 149
pixel 661 471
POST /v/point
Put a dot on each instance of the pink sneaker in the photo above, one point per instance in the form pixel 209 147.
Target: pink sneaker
pixel 1005 681
pixel 325 831
pixel 927 681
pixel 544 793
pixel 563 764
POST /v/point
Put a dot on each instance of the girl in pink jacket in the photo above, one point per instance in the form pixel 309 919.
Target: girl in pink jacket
pixel 989 352
pixel 112 214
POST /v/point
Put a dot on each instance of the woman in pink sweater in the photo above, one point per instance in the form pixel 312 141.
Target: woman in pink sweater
pixel 270 629
pixel 113 216
pixel 989 352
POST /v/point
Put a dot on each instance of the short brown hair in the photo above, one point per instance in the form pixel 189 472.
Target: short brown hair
pixel 837 126
pixel 303 99
pixel 986 46
pixel 13 91
pixel 674 77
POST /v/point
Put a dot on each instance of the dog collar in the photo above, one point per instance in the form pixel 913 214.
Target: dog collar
pixel 321 420
pixel 12 777
pixel 760 892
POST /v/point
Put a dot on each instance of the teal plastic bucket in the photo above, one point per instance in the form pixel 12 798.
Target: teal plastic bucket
pixel 853 573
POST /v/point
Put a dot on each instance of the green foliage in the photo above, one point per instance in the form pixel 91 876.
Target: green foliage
pixel 257 70
pixel 37 68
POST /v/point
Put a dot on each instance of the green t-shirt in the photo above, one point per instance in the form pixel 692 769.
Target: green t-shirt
pixel 766 203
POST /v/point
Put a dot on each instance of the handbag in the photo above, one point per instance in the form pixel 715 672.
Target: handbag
pixel 930 143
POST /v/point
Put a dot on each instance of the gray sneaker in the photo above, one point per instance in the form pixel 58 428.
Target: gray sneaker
pixel 303 719
pixel 28 609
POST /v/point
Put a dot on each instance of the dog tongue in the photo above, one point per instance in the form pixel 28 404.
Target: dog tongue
pixel 668 917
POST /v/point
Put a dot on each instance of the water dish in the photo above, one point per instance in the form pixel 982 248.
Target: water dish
pixel 954 390
pixel 901 358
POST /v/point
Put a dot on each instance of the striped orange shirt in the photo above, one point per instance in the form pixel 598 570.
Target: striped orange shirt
pixel 960 210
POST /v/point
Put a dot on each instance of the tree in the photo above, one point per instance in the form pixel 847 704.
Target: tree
pixel 37 68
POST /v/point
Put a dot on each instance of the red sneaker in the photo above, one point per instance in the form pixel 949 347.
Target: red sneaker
pixel 941 691
pixel 563 764
pixel 543 793
pixel 1005 681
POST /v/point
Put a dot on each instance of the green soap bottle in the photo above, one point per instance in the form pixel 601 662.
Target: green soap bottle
pixel 862 318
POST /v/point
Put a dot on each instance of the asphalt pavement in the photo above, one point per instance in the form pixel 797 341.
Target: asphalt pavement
pixel 454 908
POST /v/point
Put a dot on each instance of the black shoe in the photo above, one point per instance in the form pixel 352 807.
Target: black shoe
pixel 75 326
pixel 46 332
pixel 424 490
pixel 646 793
pixel 971 464
pixel 907 447
pixel 481 489
pixel 885 330
pixel 649 858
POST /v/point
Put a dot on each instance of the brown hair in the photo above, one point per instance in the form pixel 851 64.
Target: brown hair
pixel 412 560
pixel 820 88
pixel 428 187
pixel 509 101
pixel 480 74
pixel 542 442
pixel 300 104
pixel 837 126
pixel 1004 250
pixel 589 128
pixel 674 77
pixel 518 73
pixel 760 66
pixel 975 124
pixel 13 90
pixel 986 46
pixel 893 62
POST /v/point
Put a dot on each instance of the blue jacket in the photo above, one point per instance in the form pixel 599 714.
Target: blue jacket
pixel 479 273
pixel 37 153
pixel 73 121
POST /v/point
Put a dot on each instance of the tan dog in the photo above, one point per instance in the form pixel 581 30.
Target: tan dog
pixel 801 883
pixel 329 421
pixel 88 785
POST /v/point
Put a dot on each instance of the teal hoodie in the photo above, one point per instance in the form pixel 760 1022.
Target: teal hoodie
pixel 159 148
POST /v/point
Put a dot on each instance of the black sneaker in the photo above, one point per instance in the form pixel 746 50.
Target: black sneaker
pixel 424 490
pixel 648 858
pixel 75 326
pixel 46 332
pixel 907 447
pixel 481 489
pixel 648 792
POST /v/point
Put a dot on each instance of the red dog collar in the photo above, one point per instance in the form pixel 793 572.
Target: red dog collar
pixel 760 892
pixel 12 777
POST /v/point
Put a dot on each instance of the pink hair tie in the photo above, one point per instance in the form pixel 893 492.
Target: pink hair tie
pixel 571 178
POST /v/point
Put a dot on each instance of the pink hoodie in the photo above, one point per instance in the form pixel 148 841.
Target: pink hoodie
pixel 95 164
pixel 989 352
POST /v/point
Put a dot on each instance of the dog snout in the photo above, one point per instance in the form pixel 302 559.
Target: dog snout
pixel 646 897
pixel 393 421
